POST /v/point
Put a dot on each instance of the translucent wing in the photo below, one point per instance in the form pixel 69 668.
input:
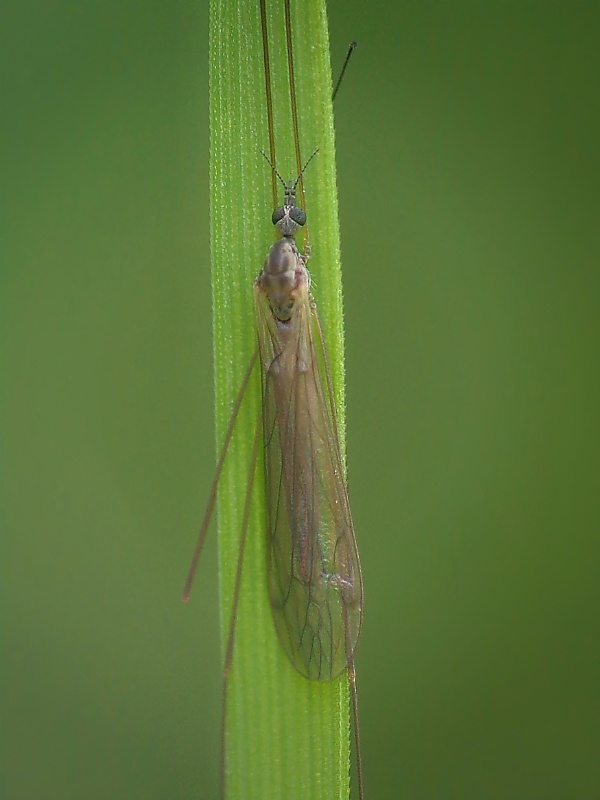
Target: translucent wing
pixel 315 583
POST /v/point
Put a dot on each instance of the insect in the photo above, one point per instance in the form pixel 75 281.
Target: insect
pixel 314 579
pixel 315 584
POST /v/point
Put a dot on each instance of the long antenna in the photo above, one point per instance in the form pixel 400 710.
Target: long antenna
pixel 288 35
pixel 294 107
pixel 351 49
pixel 267 62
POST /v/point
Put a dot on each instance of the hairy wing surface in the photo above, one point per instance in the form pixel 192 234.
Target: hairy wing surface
pixel 314 575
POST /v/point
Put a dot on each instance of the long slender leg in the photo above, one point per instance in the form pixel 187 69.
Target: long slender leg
pixel 213 489
pixel 354 699
pixel 236 598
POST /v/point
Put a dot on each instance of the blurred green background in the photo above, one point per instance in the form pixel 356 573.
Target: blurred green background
pixel 468 173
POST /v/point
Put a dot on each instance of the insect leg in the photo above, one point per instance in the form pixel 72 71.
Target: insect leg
pixel 213 489
pixel 236 594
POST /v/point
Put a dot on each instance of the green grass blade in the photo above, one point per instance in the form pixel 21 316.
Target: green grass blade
pixel 286 737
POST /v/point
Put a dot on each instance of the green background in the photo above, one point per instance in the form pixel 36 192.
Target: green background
pixel 469 183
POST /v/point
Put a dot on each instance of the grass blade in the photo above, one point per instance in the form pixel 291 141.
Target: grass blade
pixel 286 736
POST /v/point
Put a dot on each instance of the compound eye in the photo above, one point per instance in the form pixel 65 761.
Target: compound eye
pixel 278 215
pixel 298 215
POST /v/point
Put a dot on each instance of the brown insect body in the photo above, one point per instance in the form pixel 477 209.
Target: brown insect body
pixel 315 585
